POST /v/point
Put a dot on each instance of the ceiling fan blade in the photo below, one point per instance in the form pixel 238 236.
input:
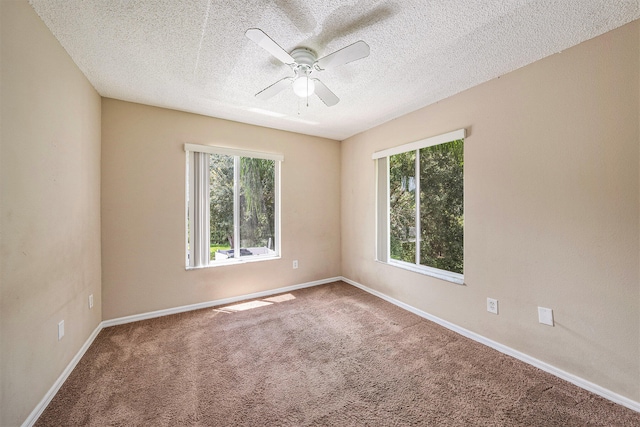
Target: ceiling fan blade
pixel 329 98
pixel 265 42
pixel 355 51
pixel 274 89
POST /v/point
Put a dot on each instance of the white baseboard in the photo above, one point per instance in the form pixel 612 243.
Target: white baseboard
pixel 580 382
pixel 207 304
pixel 37 411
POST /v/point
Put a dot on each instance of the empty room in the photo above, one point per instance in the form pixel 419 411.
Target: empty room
pixel 305 213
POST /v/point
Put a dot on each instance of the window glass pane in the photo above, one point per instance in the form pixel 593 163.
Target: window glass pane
pixel 221 206
pixel 441 206
pixel 402 204
pixel 257 206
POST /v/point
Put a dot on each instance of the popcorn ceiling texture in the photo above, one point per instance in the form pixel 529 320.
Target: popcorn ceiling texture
pixel 193 55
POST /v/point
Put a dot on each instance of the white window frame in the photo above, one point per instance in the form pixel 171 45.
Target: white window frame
pixel 383 208
pixel 201 210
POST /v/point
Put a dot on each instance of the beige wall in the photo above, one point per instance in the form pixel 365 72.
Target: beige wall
pixel 551 210
pixel 143 209
pixel 49 212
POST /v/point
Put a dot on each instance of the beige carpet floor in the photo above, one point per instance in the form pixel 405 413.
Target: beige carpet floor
pixel 330 355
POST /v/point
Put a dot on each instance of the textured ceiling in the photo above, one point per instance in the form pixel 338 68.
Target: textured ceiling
pixel 192 55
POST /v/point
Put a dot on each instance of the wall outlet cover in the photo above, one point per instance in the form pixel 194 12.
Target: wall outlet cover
pixel 60 330
pixel 492 305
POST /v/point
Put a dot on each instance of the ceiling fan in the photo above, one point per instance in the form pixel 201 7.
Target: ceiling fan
pixel 303 61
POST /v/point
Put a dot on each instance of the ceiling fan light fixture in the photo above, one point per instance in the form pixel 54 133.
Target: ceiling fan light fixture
pixel 303 86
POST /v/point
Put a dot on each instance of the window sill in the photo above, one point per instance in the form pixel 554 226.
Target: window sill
pixel 234 261
pixel 427 271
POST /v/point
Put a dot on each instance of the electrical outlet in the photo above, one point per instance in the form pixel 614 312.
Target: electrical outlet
pixel 295 264
pixel 60 330
pixel 492 305
pixel 91 301
pixel 545 316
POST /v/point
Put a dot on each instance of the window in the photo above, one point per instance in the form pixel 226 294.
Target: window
pixel 233 206
pixel 420 206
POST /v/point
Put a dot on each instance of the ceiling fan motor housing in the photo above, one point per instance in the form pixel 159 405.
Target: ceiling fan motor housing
pixel 304 56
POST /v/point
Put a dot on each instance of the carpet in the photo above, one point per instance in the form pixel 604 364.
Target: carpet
pixel 330 355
